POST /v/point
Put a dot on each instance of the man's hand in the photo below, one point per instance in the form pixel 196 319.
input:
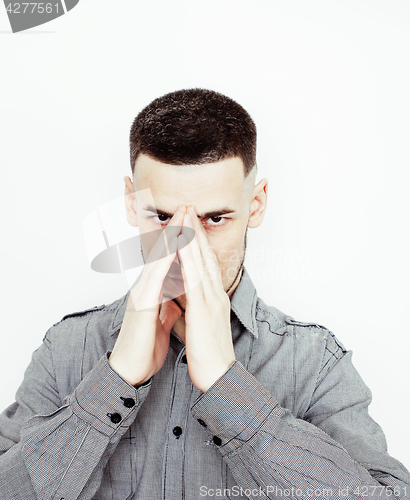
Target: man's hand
pixel 208 336
pixel 143 341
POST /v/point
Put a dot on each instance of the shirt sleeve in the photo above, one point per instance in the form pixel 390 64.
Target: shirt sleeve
pixel 336 451
pixel 52 449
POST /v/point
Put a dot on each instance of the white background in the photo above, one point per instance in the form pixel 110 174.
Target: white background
pixel 327 83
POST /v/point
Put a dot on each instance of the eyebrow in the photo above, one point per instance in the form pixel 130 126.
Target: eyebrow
pixel 205 215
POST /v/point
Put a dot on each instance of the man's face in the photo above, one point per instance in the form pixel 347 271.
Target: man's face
pixel 221 196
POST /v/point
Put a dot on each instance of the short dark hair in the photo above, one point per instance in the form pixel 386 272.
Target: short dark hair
pixel 193 127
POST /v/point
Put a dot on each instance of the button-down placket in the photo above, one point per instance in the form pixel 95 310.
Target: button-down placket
pixel 176 432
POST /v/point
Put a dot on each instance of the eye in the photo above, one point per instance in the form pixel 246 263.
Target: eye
pixel 211 221
pixel 160 218
pixel 216 221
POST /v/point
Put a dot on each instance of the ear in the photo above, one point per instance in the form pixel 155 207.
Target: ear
pixel 130 202
pixel 259 200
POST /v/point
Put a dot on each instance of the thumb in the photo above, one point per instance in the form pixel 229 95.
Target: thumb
pixel 169 314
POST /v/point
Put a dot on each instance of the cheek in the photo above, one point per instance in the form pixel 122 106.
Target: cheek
pixel 148 237
pixel 229 255
pixel 228 247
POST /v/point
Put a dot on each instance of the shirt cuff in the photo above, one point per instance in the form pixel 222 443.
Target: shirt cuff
pixel 234 408
pixel 105 400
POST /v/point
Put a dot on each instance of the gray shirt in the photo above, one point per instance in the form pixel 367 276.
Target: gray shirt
pixel 288 419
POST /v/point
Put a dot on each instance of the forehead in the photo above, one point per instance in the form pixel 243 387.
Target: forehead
pixel 204 186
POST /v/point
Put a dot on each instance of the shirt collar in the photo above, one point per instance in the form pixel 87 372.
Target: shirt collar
pixel 243 304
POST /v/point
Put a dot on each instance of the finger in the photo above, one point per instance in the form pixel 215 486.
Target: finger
pixel 166 242
pixel 188 229
pixel 169 314
pixel 158 264
pixel 191 273
pixel 207 253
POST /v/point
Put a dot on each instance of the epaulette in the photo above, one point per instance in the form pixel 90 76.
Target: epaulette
pixel 292 321
pixel 83 313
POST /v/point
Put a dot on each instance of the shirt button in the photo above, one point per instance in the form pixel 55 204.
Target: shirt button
pixel 202 422
pixel 183 359
pixel 128 402
pixel 217 440
pixel 115 417
pixel 177 431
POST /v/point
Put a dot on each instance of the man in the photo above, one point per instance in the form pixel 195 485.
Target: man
pixel 190 386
